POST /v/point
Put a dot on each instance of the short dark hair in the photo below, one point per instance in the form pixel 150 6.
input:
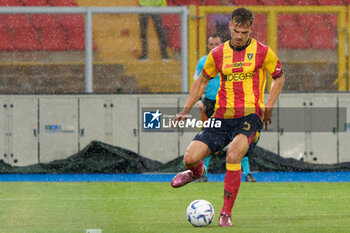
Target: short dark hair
pixel 242 16
pixel 214 35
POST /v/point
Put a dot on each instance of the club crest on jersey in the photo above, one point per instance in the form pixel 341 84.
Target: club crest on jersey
pixel 250 56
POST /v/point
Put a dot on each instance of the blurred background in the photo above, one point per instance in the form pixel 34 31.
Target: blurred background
pixel 45 53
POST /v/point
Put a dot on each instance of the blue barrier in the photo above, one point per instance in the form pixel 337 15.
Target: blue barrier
pixel 156 177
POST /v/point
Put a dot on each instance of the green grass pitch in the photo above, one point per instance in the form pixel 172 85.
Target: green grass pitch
pixel 156 207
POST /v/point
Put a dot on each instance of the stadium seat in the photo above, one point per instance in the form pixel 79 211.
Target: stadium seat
pixel 287 20
pixel 35 3
pixel 40 21
pixel 16 21
pixel 260 34
pixel 76 38
pixel 260 19
pixel 322 38
pixel 211 2
pixel 53 38
pixel 332 20
pixel 10 3
pixel 72 21
pixel 172 24
pixel 260 28
pixel 292 38
pixel 25 39
pixel 171 3
pixel 170 20
pixel 330 2
pixel 302 2
pixel 195 2
pixel 188 2
pixel 311 20
pixel 5 39
pixel 62 3
pixel 245 2
pixel 174 38
pixel 274 2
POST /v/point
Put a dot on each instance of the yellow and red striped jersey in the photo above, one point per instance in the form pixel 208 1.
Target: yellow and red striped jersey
pixel 242 77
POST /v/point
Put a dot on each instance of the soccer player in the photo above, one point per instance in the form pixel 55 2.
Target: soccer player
pixel 242 63
pixel 207 105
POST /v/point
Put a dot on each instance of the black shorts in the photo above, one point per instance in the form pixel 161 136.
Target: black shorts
pixel 219 138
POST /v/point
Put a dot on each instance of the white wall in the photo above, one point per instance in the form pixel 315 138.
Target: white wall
pixel 28 134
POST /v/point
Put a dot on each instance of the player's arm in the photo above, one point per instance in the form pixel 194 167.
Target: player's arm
pixel 275 90
pixel 196 91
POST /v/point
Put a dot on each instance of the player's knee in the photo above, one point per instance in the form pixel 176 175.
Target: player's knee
pixel 233 157
pixel 189 160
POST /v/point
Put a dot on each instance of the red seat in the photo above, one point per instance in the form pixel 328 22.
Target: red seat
pixel 174 38
pixel 170 20
pixel 310 20
pixel 245 2
pixel 171 2
pixel 274 2
pixel 62 3
pixel 72 21
pixel 5 39
pixel 25 39
pixel 292 38
pixel 195 2
pixel 10 3
pixel 35 3
pixel 260 34
pixel 289 20
pixel 53 38
pixel 211 2
pixel 260 19
pixel 302 2
pixel 330 2
pixel 16 20
pixel 172 24
pixel 322 38
pixel 76 38
pixel 40 21
pixel 332 20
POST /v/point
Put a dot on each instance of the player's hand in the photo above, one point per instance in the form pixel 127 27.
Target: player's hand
pixel 267 117
pixel 182 116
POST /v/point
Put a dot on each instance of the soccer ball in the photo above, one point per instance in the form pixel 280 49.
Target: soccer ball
pixel 200 213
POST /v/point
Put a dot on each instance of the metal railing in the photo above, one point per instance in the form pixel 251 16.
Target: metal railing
pixel 200 18
pixel 88 11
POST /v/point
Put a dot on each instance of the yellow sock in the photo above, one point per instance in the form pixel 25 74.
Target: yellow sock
pixel 233 167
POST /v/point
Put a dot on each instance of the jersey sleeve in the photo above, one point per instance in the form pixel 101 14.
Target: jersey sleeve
pixel 272 64
pixel 210 70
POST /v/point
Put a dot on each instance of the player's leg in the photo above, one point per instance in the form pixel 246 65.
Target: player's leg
pixel 236 151
pixel 157 19
pixel 238 148
pixel 208 110
pixel 246 170
pixel 194 155
pixel 206 163
pixel 207 141
pixel 143 32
